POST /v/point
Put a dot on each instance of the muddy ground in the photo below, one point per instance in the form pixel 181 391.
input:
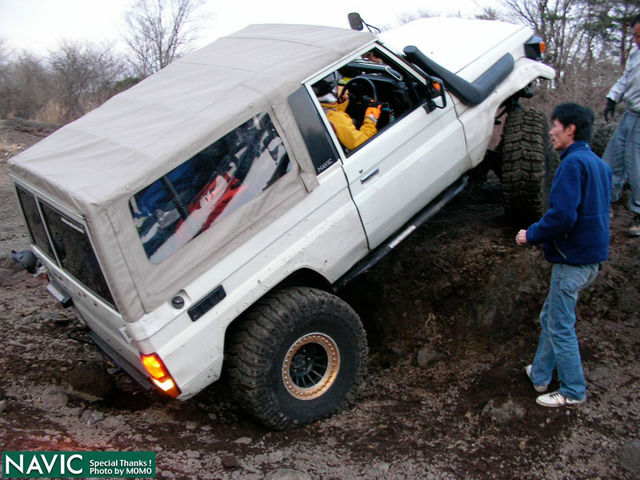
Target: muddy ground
pixel 452 321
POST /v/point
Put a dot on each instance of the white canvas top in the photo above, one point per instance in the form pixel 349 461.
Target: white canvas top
pixel 94 165
pixel 149 129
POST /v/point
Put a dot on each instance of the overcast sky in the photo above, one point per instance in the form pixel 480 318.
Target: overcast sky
pixel 39 25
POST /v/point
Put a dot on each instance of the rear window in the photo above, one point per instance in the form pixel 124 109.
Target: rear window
pixel 69 247
pixel 192 197
pixel 34 222
pixel 74 251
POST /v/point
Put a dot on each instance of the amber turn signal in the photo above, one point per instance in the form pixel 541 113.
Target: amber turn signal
pixel 159 374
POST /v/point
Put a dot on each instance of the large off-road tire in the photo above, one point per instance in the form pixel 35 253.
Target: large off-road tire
pixel 601 134
pixel 527 166
pixel 296 357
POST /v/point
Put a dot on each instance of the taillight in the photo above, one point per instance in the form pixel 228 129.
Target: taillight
pixel 159 374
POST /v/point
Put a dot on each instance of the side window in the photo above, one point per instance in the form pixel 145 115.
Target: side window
pixel 192 197
pixel 370 80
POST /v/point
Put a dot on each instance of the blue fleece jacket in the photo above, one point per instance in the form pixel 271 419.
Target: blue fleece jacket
pixel 575 228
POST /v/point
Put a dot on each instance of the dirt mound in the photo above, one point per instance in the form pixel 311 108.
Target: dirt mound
pixel 451 316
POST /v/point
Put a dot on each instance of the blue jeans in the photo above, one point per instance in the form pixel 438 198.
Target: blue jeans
pixel 623 156
pixel 558 345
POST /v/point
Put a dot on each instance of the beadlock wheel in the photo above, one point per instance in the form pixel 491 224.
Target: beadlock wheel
pixel 297 356
pixel 311 366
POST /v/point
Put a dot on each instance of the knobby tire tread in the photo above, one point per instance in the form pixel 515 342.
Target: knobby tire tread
pixel 528 162
pixel 257 336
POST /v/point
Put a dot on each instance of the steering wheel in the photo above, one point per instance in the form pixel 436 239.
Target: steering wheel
pixel 362 94
pixel 361 89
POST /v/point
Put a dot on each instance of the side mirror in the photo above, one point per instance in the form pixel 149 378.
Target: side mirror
pixel 435 89
pixel 355 21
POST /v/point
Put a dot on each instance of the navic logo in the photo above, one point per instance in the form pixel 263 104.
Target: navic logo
pixel 78 464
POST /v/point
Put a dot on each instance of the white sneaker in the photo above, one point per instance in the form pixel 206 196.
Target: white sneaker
pixel 634 229
pixel 537 388
pixel 556 399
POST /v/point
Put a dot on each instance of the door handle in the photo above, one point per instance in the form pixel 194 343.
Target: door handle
pixel 369 175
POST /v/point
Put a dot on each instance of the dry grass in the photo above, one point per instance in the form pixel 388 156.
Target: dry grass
pixel 9 149
pixel 52 112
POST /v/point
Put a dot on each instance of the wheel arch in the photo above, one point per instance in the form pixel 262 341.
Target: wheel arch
pixel 304 277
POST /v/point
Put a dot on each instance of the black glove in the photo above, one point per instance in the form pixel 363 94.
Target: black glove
pixel 609 109
pixel 386 115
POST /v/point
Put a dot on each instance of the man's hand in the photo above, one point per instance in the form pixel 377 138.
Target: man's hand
pixel 521 238
pixel 373 113
pixel 609 109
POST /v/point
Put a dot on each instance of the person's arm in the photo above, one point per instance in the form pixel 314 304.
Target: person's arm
pixel 347 132
pixel 625 82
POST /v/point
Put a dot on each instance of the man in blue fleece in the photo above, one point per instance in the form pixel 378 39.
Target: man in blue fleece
pixel 574 233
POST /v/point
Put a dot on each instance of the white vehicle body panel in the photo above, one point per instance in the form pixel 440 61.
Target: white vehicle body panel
pixel 468 48
pixel 319 222
pixel 464 46
pixel 430 146
pixel 478 122
pixel 326 237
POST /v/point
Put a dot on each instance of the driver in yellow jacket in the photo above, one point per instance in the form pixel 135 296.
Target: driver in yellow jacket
pixel 342 123
pixel 344 127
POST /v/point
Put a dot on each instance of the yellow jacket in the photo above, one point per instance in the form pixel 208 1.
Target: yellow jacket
pixel 344 127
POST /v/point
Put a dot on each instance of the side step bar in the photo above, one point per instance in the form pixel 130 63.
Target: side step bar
pixel 420 219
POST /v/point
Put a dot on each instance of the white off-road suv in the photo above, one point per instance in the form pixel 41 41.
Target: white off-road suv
pixel 207 217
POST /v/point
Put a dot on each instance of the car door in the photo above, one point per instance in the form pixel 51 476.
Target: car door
pixel 406 165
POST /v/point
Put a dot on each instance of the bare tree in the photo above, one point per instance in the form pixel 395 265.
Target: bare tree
pixel 621 14
pixel 85 76
pixel 488 13
pixel 4 52
pixel 406 17
pixel 585 42
pixel 159 31
pixel 25 86
pixel 4 77
pixel 554 21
